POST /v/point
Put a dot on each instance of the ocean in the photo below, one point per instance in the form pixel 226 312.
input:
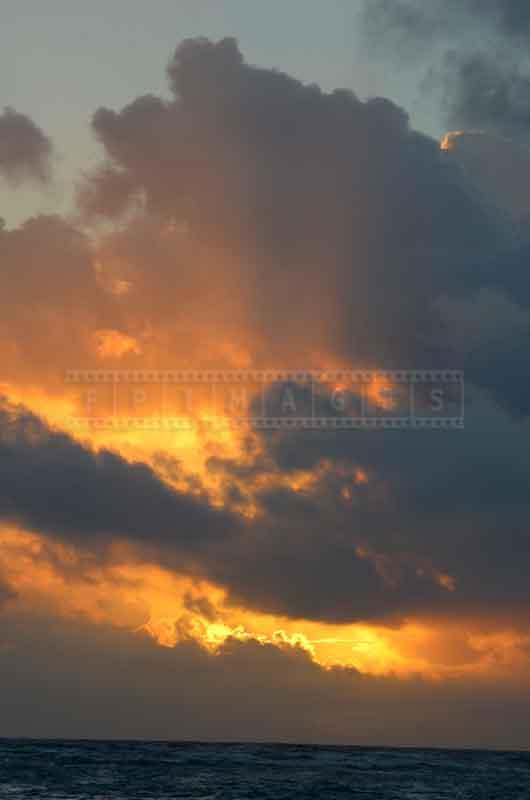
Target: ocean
pixel 83 770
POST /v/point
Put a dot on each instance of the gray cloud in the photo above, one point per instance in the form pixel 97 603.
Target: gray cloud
pixel 453 502
pixel 53 485
pixel 56 487
pixel 498 167
pixel 106 193
pixel 133 688
pixel 452 505
pixel 423 23
pixel 281 184
pixel 474 52
pixel 488 91
pixel 25 151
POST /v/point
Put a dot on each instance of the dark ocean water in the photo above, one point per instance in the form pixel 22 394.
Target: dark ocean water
pixel 134 770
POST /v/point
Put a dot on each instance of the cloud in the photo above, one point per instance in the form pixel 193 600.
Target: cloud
pixel 278 184
pixel 266 185
pixel 486 318
pixel 512 16
pixel 435 506
pixel 6 593
pixel 113 344
pixel 25 151
pixel 282 223
pixel 241 194
pixel 488 92
pixel 475 52
pixel 56 304
pixel 133 689
pixel 288 223
pixel 498 167
pixel 105 193
pixel 252 220
pixel 430 533
pixel 57 487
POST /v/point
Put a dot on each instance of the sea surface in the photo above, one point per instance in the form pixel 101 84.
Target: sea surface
pixel 132 770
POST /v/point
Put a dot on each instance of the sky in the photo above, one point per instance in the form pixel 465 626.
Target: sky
pixel 230 189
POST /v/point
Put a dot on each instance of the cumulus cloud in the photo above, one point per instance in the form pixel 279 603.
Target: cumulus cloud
pixel 281 184
pixel 256 188
pixel 25 151
pixel 266 185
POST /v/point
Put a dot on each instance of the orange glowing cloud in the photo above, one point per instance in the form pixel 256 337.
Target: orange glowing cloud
pixel 126 593
pixel 114 344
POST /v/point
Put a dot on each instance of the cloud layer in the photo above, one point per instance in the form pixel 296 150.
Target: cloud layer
pixel 133 689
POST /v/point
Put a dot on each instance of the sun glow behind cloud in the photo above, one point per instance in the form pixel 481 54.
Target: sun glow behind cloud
pixel 137 596
pixel 133 594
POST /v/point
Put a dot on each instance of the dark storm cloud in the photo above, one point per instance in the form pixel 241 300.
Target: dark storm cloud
pixel 456 501
pixel 50 484
pixel 53 485
pixel 438 529
pixel 474 50
pixel 135 689
pixel 25 151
